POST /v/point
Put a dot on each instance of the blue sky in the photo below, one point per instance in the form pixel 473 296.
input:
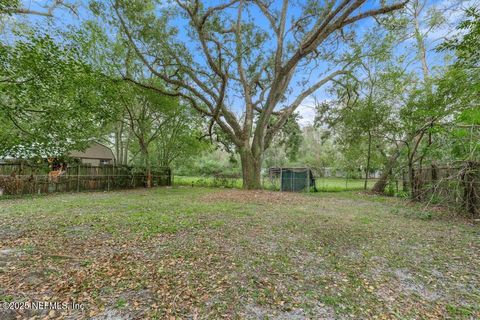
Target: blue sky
pixel 64 18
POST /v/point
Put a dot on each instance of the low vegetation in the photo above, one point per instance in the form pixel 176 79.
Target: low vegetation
pixel 209 253
pixel 322 184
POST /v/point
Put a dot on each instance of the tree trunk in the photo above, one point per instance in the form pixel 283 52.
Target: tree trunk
pixel 149 173
pixel 414 177
pixel 470 193
pixel 434 169
pixel 369 154
pixel 125 151
pixel 380 185
pixel 251 167
pixel 404 181
pixel 117 148
pixel 148 168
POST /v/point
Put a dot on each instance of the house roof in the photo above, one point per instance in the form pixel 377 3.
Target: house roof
pixel 96 150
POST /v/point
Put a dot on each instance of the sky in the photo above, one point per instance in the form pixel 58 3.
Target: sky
pixel 63 18
pixel 433 39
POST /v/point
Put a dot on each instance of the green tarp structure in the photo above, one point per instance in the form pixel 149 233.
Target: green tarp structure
pixel 295 179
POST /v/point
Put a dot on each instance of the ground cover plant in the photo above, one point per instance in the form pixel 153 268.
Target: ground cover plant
pixel 201 253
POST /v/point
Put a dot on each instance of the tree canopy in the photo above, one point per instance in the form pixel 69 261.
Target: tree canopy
pixel 51 101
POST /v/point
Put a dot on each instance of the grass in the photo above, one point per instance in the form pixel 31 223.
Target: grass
pixel 210 253
pixel 323 184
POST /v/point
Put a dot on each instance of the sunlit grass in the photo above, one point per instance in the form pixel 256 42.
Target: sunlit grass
pixel 323 184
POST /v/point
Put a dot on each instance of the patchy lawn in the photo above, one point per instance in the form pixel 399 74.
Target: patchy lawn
pixel 212 253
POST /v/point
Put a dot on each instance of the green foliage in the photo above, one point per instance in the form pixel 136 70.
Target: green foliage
pixel 175 139
pixel 319 151
pixel 466 47
pixel 153 129
pixel 289 138
pixel 429 119
pixel 362 116
pixel 51 101
pixel 58 92
pixel 7 5
pixel 209 163
pixel 459 88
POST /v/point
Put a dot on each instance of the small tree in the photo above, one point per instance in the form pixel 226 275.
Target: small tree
pixel 365 105
pixel 146 114
pixel 420 113
pixel 180 139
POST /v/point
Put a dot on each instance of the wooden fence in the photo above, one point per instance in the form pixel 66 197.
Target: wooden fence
pixel 17 179
pixel 457 186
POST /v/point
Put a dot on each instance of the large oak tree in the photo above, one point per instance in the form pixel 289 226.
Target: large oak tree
pixel 245 64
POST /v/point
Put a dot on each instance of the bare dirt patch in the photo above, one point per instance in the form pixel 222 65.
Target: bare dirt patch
pixel 408 284
pixel 253 196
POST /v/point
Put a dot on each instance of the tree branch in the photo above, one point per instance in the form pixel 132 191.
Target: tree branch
pixel 287 112
pixel 49 13
pixel 374 12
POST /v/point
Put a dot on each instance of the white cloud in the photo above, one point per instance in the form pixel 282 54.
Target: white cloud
pixel 307 112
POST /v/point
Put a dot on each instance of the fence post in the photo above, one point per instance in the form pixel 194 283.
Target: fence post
pixel 281 179
pixel 35 184
pixel 108 179
pixel 133 179
pixel 470 194
pixel 78 178
pixel 308 180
